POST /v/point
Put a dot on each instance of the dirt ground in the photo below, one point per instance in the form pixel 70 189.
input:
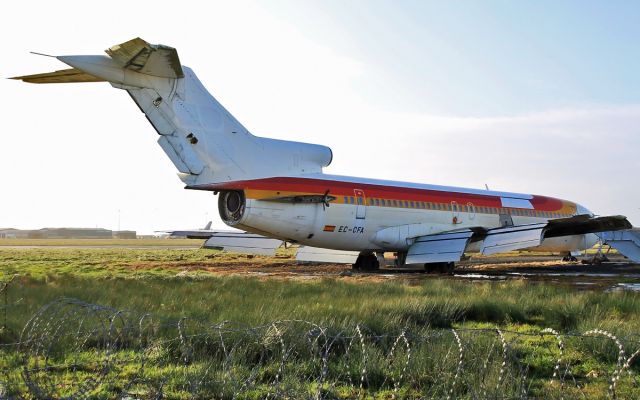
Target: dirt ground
pixel 618 273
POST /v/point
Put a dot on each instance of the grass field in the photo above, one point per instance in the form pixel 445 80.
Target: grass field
pixel 4 242
pixel 173 283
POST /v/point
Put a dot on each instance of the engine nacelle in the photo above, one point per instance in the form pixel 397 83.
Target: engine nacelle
pixel 289 221
pixel 232 206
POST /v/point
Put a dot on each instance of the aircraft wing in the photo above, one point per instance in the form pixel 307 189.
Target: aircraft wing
pixel 450 246
pixel 442 247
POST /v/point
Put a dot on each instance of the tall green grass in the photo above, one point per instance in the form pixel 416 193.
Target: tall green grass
pixel 171 283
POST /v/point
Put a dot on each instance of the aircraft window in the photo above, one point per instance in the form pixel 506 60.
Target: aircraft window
pixel 411 204
pixel 377 202
pixel 360 200
pixel 351 200
pixel 406 204
pixel 465 209
pixel 370 202
pixel 346 200
pixel 395 203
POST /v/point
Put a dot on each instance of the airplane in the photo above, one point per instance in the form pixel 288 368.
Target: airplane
pixel 275 191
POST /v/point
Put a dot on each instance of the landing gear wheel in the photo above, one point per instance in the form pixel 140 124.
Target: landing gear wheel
pixel 366 262
pixel 569 258
pixel 401 258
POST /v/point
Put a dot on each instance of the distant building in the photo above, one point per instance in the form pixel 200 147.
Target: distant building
pixel 66 233
pixel 10 233
pixel 74 233
pixel 125 235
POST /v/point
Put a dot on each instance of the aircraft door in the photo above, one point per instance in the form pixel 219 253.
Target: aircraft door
pixel 455 213
pixel 361 205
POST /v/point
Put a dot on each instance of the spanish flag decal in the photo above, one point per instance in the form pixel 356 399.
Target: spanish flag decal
pixel 329 228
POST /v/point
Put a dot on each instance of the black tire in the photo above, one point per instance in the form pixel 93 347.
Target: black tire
pixel 367 262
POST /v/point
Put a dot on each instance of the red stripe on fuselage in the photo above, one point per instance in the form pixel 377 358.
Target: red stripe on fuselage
pixel 340 188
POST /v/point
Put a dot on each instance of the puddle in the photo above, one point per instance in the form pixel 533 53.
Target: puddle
pixel 632 287
pixel 588 274
pixel 480 276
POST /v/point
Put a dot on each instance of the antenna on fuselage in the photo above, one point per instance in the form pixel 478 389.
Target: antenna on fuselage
pixel 486 186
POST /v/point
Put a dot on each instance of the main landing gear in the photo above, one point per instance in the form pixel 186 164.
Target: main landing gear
pixel 569 257
pixel 440 268
pixel 366 262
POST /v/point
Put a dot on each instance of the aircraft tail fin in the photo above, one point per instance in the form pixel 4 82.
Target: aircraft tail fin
pixel 202 139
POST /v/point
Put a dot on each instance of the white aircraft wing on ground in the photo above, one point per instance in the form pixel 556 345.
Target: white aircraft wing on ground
pixel 317 254
pixel 234 241
pixel 626 242
pixel 243 242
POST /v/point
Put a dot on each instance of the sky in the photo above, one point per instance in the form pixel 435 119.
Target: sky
pixel 532 97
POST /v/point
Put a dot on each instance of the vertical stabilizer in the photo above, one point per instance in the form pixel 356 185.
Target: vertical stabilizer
pixel 202 139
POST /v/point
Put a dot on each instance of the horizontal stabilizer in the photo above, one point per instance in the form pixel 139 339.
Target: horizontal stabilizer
pixel 316 254
pixel 149 59
pixel 626 242
pixel 70 75
pixel 242 242
pixel 443 247
pixel 511 238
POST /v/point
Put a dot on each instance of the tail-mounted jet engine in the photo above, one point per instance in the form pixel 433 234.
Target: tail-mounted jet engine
pixel 231 206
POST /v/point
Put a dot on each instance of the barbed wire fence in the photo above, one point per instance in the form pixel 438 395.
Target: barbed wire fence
pixel 70 349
